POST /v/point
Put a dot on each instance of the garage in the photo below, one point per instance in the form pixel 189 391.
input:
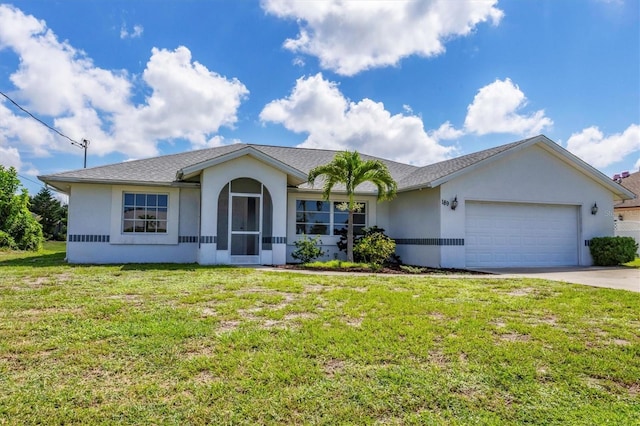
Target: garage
pixel 521 235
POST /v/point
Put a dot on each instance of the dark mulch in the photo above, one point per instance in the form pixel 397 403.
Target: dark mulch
pixel 392 270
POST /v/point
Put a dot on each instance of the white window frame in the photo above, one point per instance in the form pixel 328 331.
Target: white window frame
pixel 124 219
pixel 117 236
pixel 332 210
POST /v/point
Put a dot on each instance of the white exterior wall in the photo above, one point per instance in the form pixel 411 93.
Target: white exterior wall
pixel 416 215
pixel 214 178
pixel 329 242
pixel 95 213
pixel 532 175
pixel 628 214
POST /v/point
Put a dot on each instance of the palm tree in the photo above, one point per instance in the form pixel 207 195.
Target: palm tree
pixel 349 169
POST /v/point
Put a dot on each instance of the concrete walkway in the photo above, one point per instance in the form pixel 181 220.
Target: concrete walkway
pixel 621 278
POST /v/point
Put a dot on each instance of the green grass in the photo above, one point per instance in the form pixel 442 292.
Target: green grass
pixel 634 264
pixel 338 265
pixel 183 344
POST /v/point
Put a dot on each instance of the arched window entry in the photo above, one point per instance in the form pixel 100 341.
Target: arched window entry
pixel 245 216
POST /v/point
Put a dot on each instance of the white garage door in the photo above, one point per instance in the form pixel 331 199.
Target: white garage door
pixel 511 235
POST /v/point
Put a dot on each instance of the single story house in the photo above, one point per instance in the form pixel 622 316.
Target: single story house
pixel 527 203
pixel 627 212
pixel 628 209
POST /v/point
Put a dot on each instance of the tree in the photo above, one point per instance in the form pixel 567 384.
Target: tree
pixel 18 228
pixel 348 168
pixel 51 213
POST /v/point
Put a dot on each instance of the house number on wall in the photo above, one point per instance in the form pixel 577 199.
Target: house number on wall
pixel 445 202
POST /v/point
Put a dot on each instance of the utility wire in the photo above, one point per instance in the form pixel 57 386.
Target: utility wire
pixel 37 119
pixel 31 180
pixel 82 144
pixel 40 184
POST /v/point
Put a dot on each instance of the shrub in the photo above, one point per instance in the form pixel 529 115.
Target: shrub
pixel 374 248
pixel 393 259
pixel 357 236
pixel 307 249
pixel 6 241
pixel 612 251
pixel 16 221
pixel 412 269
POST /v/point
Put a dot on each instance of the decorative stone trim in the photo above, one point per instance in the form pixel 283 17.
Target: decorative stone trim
pixel 208 239
pixel 430 241
pixel 83 238
pixel 274 240
pixel 188 239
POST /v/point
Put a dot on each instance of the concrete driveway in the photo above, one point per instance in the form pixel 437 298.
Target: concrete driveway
pixel 621 278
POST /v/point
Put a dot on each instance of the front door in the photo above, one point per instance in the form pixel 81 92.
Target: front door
pixel 245 228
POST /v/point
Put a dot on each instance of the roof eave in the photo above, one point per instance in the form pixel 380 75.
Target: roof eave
pixel 427 185
pixel 59 182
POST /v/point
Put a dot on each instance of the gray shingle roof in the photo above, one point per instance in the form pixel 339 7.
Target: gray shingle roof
pixel 632 183
pixel 162 170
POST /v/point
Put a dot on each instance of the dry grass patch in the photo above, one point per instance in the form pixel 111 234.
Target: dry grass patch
pixel 514 337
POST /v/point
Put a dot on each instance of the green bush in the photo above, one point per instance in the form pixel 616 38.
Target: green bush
pixel 374 248
pixel 612 251
pixel 6 241
pixel 307 249
pixel 393 260
pixel 16 221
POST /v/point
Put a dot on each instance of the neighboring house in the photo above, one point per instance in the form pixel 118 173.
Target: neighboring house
pixel 628 209
pixel 528 203
pixel 627 212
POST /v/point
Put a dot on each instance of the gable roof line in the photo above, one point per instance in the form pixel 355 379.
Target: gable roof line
pixel 561 152
pixel 194 169
pixel 588 169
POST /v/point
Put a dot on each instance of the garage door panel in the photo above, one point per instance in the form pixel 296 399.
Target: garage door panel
pixel 511 234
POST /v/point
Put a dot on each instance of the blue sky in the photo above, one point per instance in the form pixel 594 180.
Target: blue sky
pixel 414 81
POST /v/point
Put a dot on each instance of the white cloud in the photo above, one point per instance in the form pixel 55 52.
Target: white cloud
pixel 317 107
pixel 446 132
pixel 135 33
pixel 24 132
pixel 84 101
pixel 188 101
pixel 352 36
pixel 593 147
pixel 496 109
pixel 10 157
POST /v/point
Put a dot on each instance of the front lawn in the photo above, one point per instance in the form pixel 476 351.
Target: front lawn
pixel 183 344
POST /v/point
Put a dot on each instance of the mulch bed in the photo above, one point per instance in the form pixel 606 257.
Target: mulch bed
pixel 388 270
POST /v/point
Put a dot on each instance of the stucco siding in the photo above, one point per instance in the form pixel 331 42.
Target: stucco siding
pixel 189 223
pixel 414 222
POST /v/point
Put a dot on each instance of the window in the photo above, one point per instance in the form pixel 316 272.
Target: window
pixel 341 218
pixel 145 213
pixel 313 217
pixel 324 218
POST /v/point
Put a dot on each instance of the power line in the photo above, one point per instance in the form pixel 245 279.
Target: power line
pixel 39 183
pixel 83 144
pixel 31 180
